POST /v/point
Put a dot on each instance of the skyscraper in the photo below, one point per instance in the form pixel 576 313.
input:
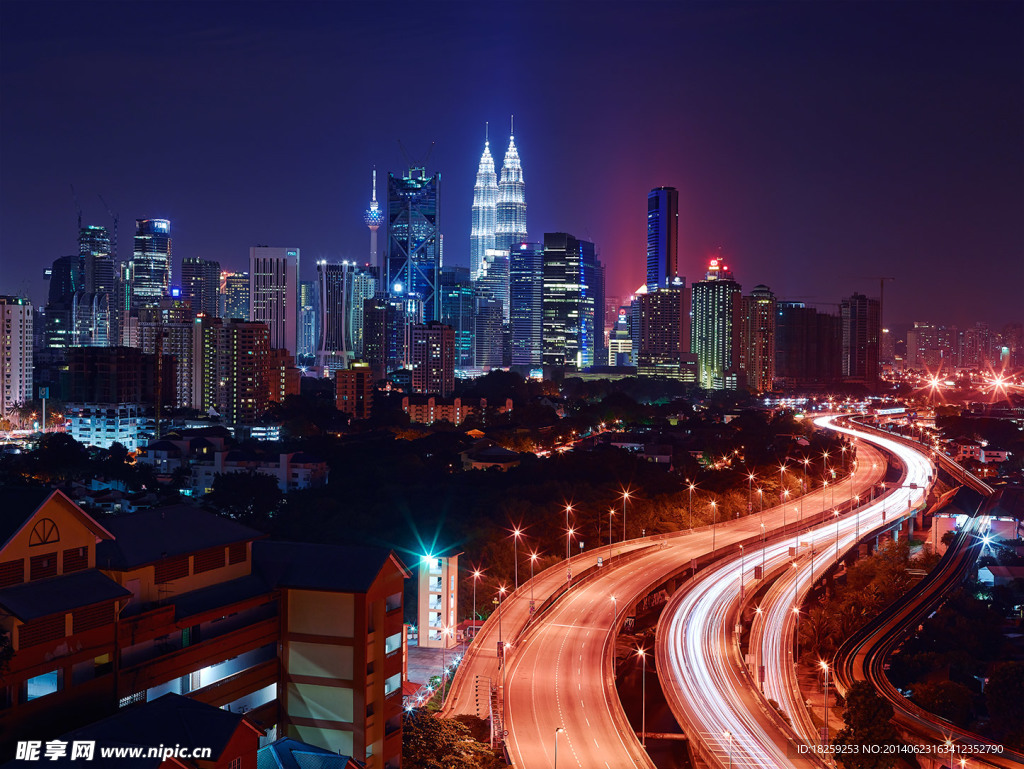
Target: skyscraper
pixel 235 289
pixel 487 332
pixel 493 278
pixel 714 332
pixel 662 237
pixel 485 201
pixel 309 322
pixel 433 358
pixel 457 311
pixel 200 285
pixel 861 330
pixel 526 298
pixel 373 217
pixel 274 293
pixel 66 281
pixel 96 309
pixel 150 267
pixel 757 339
pixel 334 289
pixel 570 267
pixel 413 252
pixel 510 210
pixel 15 352
pixel 364 286
pixel 807 346
pixel 664 317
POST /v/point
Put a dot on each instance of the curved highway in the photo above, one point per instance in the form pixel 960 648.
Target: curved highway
pixel 702 676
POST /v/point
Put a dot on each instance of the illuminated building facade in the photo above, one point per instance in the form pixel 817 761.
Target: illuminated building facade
pixel 493 279
pixel 15 352
pixel 457 311
pixel 373 218
pixel 860 318
pixel 150 267
pixel 309 322
pixel 200 285
pixel 570 271
pixel 485 201
pixel 235 290
pixel 807 346
pixel 274 293
pixel 432 355
pixel 354 390
pixel 526 300
pixel 334 289
pixel 757 339
pixel 664 316
pixel 511 206
pixel 662 237
pixel 715 328
pixel 413 251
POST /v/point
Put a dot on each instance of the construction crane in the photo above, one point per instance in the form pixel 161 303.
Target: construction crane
pixel 78 208
pixel 113 240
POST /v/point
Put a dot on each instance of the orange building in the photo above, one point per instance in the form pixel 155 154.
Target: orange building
pixel 303 639
pixel 355 390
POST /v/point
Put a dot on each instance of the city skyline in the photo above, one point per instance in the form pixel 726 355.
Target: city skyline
pixel 868 152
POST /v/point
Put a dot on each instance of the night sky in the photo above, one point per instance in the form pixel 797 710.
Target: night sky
pixel 816 144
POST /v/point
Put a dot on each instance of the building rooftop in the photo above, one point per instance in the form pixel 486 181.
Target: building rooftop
pixel 150 535
pixel 342 568
pixel 167 720
pixel 19 503
pixel 56 595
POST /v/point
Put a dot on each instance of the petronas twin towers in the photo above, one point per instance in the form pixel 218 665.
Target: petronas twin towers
pixel 499 208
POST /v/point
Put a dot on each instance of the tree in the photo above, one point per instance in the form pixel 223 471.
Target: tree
pixel 946 699
pixel 247 496
pixel 1004 698
pixel 867 723
pixel 429 742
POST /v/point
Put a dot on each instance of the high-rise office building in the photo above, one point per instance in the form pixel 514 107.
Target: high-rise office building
pixel 493 279
pixel 457 311
pixel 15 352
pixel 309 304
pixel 510 210
pixel 487 332
pixel 413 251
pixel 485 221
pixel 433 358
pixel 274 293
pixel 364 286
pixel 385 334
pixel 334 289
pixel 861 330
pixel 232 370
pixel 620 343
pixel 150 267
pixel 664 316
pixel 66 279
pixel 97 310
pixel 757 339
pixel 169 329
pixel 526 303
pixel 807 346
pixel 373 218
pixel 354 390
pixel 234 287
pixel 200 285
pixel 570 273
pixel 931 347
pixel 976 347
pixel 714 331
pixel 662 237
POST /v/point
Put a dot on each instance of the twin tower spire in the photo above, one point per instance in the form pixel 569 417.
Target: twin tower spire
pixel 499 208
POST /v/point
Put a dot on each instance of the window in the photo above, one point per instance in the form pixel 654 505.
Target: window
pixel 393 684
pixel 40 686
pixel 393 643
pixel 236 763
pixel 393 602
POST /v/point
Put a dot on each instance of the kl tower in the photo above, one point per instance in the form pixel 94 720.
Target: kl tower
pixel 374 218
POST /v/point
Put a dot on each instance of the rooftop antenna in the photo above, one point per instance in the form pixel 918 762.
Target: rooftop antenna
pixel 512 127
pixel 78 207
pixel 486 137
pixel 374 199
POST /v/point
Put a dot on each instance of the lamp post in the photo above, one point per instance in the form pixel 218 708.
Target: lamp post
pixel 782 483
pixel 516 534
pixel 568 568
pixel 824 473
pixel 625 497
pixel 784 502
pixel 824 666
pixel 611 512
pixel 533 560
pixel 714 524
pixel 501 594
pixel 558 731
pixel 643 696
pixel 803 489
pixel 614 611
pixel 691 506
pixel 476 578
pixel 760 501
pixel 728 737
pixel 835 513
pixel 763 543
pixel 750 481
pixel 856 504
pixel 796 611
pixel 741 572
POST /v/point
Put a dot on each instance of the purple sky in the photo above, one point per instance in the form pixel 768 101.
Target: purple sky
pixel 818 144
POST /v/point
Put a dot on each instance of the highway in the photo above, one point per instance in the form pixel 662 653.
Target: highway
pixel 702 675
pixel 561 673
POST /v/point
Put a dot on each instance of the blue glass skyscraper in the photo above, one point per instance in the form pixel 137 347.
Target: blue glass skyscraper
pixel 413 251
pixel 662 237
pixel 526 295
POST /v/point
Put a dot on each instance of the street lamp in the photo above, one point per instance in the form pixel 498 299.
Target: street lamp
pixel 760 498
pixel 611 512
pixel 856 504
pixel 533 560
pixel 750 506
pixel 796 611
pixel 824 666
pixel 516 534
pixel 728 736
pixel 741 572
pixel 568 569
pixel 803 489
pixel 835 513
pixel 643 696
pixel 692 487
pixel 558 731
pixel 625 496
pixel 714 524
pixel 782 484
pixel 476 578
pixel 614 611
pixel 763 542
